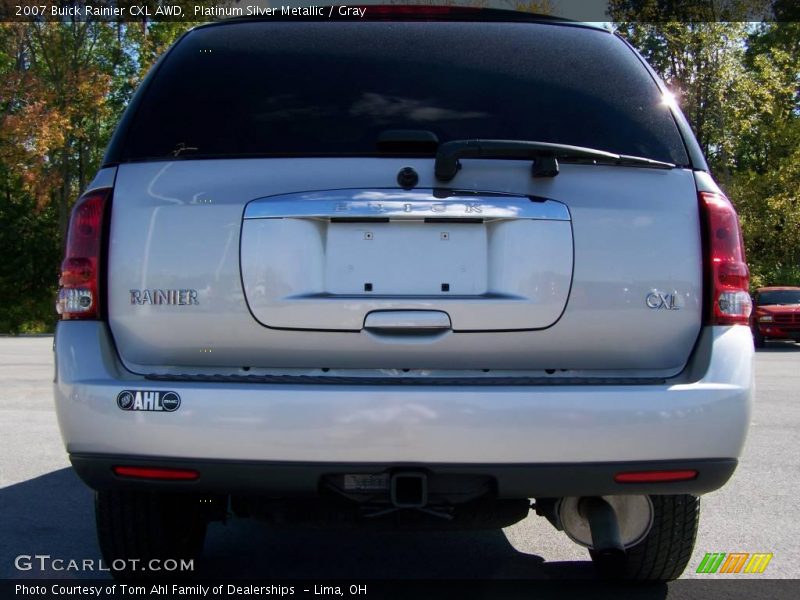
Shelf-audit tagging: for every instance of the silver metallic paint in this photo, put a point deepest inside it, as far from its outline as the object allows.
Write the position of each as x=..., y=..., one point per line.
x=177, y=225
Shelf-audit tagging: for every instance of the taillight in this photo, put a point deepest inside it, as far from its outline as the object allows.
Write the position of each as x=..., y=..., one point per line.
x=729, y=277
x=78, y=294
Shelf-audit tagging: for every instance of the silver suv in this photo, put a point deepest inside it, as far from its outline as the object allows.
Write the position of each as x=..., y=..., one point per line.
x=413, y=270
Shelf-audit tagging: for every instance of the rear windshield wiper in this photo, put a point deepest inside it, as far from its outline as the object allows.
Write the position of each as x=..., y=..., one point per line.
x=545, y=156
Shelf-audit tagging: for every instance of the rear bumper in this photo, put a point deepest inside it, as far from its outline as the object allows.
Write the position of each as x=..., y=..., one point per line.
x=303, y=479
x=532, y=430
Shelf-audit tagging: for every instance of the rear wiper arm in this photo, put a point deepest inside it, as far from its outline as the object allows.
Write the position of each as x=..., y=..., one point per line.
x=544, y=154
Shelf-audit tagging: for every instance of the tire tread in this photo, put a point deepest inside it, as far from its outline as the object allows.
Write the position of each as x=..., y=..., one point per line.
x=667, y=548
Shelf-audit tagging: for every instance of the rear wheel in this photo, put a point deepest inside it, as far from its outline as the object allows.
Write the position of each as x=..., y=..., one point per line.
x=145, y=527
x=664, y=553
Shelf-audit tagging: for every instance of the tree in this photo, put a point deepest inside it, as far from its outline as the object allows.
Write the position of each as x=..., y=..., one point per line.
x=63, y=87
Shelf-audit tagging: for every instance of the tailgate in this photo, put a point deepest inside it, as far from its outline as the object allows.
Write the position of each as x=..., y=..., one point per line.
x=229, y=264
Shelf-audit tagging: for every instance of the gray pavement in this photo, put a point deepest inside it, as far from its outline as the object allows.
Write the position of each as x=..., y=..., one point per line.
x=45, y=509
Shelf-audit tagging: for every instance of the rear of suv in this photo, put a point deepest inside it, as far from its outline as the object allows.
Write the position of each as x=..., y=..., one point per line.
x=410, y=271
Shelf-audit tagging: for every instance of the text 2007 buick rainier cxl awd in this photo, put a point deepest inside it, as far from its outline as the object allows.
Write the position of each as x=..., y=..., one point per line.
x=407, y=272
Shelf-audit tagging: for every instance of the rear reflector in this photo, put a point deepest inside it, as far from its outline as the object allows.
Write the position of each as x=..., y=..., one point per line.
x=728, y=275
x=157, y=473
x=655, y=476
x=78, y=294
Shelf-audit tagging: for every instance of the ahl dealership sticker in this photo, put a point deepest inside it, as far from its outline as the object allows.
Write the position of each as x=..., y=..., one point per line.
x=148, y=400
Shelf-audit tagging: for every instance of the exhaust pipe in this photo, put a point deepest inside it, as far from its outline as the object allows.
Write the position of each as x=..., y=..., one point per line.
x=603, y=526
x=607, y=525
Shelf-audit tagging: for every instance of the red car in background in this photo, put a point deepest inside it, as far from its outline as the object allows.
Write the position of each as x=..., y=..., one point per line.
x=776, y=314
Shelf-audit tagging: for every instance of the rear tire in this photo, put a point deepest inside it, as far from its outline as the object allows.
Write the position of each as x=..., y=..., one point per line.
x=758, y=339
x=147, y=526
x=664, y=553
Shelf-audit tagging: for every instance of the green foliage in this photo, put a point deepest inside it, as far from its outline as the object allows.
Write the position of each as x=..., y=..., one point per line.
x=769, y=208
x=63, y=87
x=31, y=254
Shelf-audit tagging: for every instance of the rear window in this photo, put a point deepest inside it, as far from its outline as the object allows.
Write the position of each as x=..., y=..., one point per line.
x=310, y=88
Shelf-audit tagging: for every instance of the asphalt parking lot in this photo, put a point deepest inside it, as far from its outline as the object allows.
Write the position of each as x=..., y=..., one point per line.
x=47, y=510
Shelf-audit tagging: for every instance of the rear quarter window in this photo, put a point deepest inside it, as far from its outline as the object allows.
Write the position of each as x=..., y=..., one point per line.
x=311, y=88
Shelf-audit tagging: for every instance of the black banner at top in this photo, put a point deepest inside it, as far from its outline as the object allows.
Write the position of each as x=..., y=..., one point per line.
x=194, y=11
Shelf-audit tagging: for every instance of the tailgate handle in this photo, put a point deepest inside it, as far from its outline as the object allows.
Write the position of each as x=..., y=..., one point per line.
x=407, y=321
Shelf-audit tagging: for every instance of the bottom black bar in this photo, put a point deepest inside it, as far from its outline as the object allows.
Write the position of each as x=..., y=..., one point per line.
x=689, y=589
